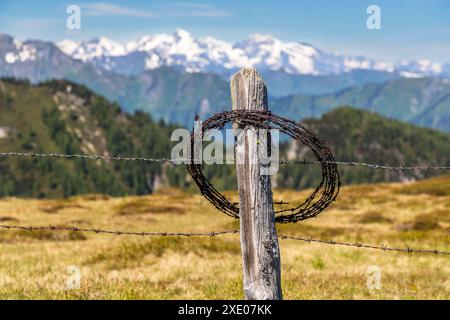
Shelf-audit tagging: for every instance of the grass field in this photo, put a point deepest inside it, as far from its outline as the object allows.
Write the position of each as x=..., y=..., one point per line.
x=35, y=265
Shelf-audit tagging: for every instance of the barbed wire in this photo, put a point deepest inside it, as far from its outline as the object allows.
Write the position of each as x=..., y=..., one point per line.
x=401, y=167
x=327, y=188
x=82, y=156
x=219, y=233
x=117, y=232
x=366, y=246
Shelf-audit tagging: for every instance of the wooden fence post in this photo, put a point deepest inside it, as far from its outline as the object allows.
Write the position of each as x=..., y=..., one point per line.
x=259, y=243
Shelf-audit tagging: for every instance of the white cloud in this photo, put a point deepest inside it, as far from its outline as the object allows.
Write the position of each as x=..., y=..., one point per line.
x=109, y=9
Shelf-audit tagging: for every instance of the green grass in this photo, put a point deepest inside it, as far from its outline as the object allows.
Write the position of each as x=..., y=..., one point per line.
x=34, y=264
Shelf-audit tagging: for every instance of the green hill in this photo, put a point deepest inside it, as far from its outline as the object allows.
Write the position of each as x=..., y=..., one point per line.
x=363, y=136
x=62, y=117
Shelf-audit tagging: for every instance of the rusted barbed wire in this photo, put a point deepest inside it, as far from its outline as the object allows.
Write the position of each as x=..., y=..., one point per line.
x=327, y=190
x=116, y=232
x=219, y=233
x=426, y=167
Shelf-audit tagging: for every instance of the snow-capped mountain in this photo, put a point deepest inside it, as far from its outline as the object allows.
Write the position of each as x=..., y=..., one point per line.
x=208, y=54
x=96, y=48
x=151, y=52
x=182, y=49
x=267, y=52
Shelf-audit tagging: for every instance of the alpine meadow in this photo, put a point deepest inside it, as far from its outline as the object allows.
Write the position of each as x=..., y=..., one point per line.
x=245, y=152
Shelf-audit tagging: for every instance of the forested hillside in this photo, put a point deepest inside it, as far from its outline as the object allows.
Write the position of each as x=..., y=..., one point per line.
x=364, y=136
x=62, y=117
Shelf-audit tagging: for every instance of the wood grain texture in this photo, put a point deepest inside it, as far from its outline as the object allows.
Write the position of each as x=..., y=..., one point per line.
x=259, y=243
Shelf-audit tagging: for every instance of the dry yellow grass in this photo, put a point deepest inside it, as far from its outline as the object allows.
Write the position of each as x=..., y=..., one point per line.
x=34, y=265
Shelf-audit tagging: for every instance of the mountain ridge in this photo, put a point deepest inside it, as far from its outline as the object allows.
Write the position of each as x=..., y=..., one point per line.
x=424, y=102
x=207, y=54
x=264, y=52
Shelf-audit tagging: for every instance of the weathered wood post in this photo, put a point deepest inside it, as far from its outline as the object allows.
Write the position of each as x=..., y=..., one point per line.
x=259, y=243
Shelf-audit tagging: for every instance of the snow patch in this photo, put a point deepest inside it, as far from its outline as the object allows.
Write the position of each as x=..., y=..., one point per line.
x=10, y=57
x=22, y=53
x=407, y=74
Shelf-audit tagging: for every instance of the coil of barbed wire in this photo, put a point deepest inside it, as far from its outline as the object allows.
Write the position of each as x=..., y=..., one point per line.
x=328, y=187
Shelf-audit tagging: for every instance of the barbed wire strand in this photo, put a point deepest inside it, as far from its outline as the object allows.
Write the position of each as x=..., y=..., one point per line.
x=401, y=167
x=366, y=246
x=82, y=156
x=116, y=232
x=219, y=233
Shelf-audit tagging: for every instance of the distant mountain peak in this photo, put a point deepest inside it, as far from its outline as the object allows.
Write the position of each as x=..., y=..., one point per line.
x=67, y=46
x=92, y=49
x=181, y=33
x=4, y=36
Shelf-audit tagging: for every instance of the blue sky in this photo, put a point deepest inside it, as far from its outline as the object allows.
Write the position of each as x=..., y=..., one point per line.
x=413, y=29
